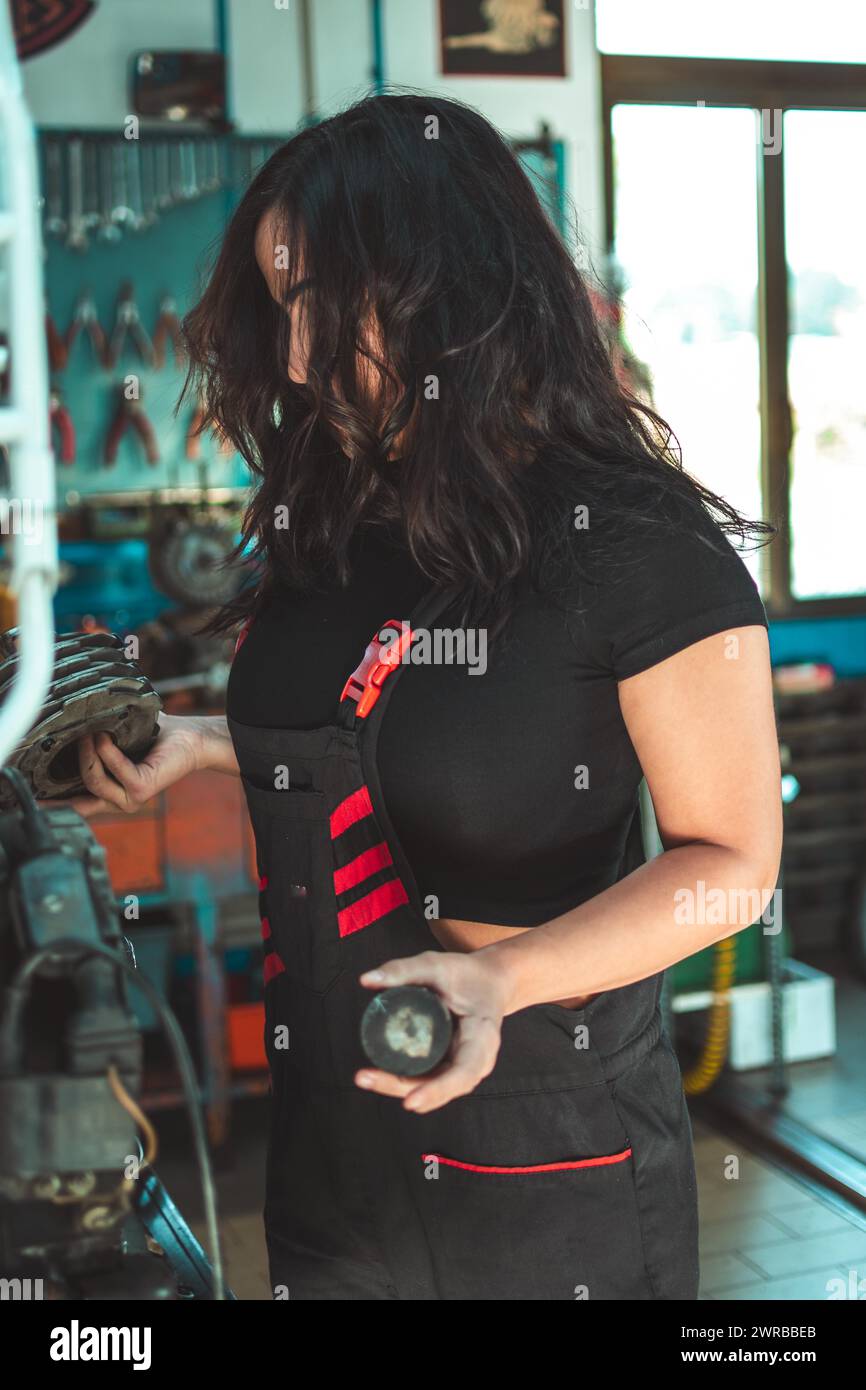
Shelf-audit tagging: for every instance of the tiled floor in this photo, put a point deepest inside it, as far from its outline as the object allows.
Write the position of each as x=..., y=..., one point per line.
x=829, y=1094
x=766, y=1237
x=763, y=1235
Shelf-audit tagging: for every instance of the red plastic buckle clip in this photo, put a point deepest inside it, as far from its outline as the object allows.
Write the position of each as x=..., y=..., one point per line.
x=365, y=683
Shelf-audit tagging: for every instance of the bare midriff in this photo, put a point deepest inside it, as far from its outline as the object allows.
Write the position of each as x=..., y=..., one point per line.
x=453, y=935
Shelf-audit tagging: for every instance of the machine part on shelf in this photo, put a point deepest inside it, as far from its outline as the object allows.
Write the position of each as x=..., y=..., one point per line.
x=61, y=422
x=406, y=1030
x=188, y=556
x=58, y=353
x=708, y=1067
x=76, y=235
x=177, y=655
x=86, y=317
x=128, y=324
x=168, y=328
x=130, y=414
x=94, y=687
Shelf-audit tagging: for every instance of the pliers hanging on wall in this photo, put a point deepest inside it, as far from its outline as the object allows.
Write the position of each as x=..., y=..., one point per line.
x=61, y=423
x=168, y=326
x=58, y=352
x=128, y=324
x=193, y=436
x=85, y=317
x=130, y=414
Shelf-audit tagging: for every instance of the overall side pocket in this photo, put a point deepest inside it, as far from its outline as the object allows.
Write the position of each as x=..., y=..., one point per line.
x=300, y=917
x=530, y=1197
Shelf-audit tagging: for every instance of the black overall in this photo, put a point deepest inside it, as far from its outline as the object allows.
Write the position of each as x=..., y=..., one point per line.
x=568, y=1172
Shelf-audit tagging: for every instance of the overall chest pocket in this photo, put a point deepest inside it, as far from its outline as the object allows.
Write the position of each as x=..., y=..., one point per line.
x=299, y=920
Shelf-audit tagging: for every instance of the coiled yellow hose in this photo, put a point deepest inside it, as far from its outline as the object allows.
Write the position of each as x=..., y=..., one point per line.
x=701, y=1076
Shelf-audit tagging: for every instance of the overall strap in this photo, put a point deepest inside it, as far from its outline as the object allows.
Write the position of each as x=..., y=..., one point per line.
x=383, y=655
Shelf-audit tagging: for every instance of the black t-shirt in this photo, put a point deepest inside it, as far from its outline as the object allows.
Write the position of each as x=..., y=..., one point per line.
x=513, y=792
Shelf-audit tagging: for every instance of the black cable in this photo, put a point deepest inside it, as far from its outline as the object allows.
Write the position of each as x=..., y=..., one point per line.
x=16, y=999
x=39, y=835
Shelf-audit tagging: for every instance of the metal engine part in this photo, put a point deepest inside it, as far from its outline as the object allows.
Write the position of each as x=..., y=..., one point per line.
x=187, y=560
x=95, y=687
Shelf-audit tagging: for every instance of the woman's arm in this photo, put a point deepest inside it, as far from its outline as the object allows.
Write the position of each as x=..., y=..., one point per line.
x=702, y=724
x=193, y=743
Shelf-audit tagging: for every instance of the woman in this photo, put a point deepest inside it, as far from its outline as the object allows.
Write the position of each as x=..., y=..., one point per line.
x=398, y=343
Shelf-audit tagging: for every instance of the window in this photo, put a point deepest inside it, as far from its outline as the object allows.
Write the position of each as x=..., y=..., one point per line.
x=735, y=212
x=776, y=30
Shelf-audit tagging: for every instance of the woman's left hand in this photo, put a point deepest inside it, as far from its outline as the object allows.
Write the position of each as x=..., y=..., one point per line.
x=472, y=988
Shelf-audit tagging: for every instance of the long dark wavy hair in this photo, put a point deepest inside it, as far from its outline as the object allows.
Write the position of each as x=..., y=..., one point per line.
x=426, y=259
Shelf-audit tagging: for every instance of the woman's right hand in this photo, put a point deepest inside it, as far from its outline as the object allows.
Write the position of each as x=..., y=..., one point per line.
x=115, y=782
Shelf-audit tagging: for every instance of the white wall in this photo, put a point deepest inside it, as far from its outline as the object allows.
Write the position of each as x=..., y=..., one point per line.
x=266, y=89
x=572, y=105
x=85, y=80
x=264, y=66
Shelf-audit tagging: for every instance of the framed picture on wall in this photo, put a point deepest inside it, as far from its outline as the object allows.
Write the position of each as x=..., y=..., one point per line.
x=502, y=38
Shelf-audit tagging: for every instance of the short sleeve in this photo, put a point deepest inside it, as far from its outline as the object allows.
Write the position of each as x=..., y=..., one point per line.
x=677, y=584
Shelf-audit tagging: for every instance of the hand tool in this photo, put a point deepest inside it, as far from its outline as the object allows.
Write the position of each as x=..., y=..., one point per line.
x=85, y=316
x=129, y=323
x=108, y=231
x=193, y=437
x=130, y=414
x=55, y=222
x=76, y=235
x=58, y=353
x=61, y=422
x=168, y=327
x=92, y=216
x=406, y=1030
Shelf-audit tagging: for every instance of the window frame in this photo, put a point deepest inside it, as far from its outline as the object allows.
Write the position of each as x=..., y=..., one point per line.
x=758, y=85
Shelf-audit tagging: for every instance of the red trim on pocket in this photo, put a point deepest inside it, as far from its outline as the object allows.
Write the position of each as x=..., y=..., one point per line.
x=355, y=807
x=534, y=1167
x=263, y=883
x=362, y=866
x=273, y=966
x=266, y=929
x=372, y=906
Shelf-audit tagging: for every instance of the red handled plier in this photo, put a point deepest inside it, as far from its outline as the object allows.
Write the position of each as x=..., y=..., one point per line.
x=61, y=422
x=168, y=327
x=130, y=415
x=194, y=432
x=58, y=353
x=128, y=323
x=85, y=317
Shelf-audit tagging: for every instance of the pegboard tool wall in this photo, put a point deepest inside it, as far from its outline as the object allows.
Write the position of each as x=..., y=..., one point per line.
x=168, y=258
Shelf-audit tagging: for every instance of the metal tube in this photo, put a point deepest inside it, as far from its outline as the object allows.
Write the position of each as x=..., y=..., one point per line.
x=24, y=424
